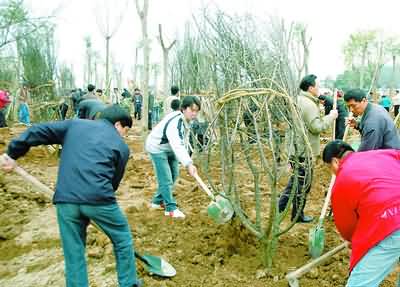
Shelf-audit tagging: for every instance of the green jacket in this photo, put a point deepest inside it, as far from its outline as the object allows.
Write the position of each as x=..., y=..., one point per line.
x=309, y=111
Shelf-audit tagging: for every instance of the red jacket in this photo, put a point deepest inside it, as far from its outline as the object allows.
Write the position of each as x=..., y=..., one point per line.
x=366, y=199
x=4, y=99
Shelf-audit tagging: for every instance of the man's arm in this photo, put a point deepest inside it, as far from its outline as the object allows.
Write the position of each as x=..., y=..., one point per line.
x=120, y=163
x=314, y=123
x=371, y=137
x=176, y=140
x=344, y=207
x=47, y=134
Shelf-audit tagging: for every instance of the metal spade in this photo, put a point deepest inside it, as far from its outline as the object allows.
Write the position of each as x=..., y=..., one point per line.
x=220, y=209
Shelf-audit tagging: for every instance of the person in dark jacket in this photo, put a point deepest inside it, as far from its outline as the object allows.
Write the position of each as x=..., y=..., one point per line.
x=92, y=164
x=376, y=126
x=76, y=97
x=137, y=100
x=340, y=126
x=89, y=109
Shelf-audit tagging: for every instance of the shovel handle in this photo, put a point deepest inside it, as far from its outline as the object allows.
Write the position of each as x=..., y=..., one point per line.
x=334, y=108
x=204, y=186
x=30, y=178
x=305, y=268
x=346, y=131
x=327, y=199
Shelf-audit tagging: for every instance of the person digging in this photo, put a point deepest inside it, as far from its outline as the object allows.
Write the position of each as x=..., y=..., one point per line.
x=366, y=209
x=167, y=145
x=92, y=164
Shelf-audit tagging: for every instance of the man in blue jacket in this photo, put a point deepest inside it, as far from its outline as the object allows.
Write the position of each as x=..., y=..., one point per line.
x=92, y=164
x=376, y=127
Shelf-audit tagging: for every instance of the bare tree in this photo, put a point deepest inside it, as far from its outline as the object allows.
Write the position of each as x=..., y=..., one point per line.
x=165, y=50
x=156, y=71
x=108, y=32
x=88, y=68
x=300, y=48
x=135, y=66
x=146, y=59
x=16, y=23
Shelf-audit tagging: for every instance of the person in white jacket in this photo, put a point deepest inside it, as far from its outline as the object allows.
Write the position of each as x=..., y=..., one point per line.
x=167, y=145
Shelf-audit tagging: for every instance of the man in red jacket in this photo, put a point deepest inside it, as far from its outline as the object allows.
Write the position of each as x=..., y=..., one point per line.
x=366, y=208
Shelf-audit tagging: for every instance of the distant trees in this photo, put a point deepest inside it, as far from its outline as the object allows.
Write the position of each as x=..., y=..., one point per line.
x=16, y=23
x=366, y=53
x=39, y=63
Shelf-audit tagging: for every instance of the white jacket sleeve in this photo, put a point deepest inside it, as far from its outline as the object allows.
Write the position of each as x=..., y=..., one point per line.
x=176, y=136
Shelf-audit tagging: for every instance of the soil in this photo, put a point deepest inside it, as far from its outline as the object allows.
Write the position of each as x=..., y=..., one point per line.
x=202, y=252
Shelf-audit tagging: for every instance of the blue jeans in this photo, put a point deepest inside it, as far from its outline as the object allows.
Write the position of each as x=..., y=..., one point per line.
x=23, y=114
x=156, y=114
x=377, y=263
x=167, y=171
x=73, y=220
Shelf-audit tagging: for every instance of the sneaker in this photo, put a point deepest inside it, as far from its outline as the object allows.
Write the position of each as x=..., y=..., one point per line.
x=139, y=283
x=176, y=213
x=157, y=206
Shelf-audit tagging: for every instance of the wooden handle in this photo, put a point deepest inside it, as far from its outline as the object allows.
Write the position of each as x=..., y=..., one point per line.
x=305, y=268
x=327, y=198
x=334, y=108
x=346, y=131
x=30, y=178
x=204, y=186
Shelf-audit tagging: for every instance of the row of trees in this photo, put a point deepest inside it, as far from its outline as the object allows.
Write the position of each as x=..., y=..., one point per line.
x=366, y=53
x=27, y=52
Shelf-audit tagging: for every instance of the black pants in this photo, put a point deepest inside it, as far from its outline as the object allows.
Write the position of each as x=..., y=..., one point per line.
x=3, y=122
x=63, y=109
x=138, y=111
x=150, y=122
x=298, y=201
x=396, y=110
x=340, y=128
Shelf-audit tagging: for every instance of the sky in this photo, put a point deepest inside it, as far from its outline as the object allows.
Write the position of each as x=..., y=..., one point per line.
x=330, y=22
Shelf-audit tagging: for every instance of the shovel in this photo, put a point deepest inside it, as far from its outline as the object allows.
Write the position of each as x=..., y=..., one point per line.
x=316, y=236
x=156, y=265
x=153, y=264
x=220, y=209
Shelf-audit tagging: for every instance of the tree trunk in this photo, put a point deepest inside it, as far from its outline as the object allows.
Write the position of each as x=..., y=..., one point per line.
x=146, y=61
x=155, y=79
x=306, y=50
x=165, y=73
x=393, y=86
x=135, y=67
x=165, y=60
x=362, y=69
x=107, y=84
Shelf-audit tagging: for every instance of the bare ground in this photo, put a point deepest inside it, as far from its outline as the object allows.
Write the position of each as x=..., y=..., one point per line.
x=203, y=253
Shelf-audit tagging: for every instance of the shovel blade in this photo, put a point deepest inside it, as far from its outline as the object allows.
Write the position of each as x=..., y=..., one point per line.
x=316, y=241
x=157, y=266
x=220, y=210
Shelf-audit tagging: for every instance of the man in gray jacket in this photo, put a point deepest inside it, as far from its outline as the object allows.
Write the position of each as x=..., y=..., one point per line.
x=376, y=127
x=308, y=105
